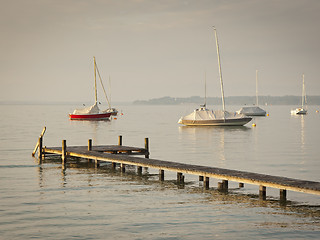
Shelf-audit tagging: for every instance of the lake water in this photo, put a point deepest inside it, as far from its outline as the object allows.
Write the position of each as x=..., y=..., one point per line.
x=83, y=202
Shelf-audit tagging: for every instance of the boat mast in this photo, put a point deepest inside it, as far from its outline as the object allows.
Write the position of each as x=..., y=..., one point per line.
x=95, y=81
x=220, y=72
x=257, y=98
x=303, y=91
x=205, y=89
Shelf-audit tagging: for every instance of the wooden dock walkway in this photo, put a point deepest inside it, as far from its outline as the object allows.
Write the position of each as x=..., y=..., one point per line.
x=123, y=156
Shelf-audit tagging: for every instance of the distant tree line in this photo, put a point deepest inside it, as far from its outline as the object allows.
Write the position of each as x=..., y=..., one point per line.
x=234, y=100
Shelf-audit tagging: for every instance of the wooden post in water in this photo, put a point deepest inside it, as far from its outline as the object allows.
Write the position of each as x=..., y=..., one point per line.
x=139, y=169
x=146, y=146
x=161, y=175
x=180, y=178
x=283, y=195
x=37, y=145
x=89, y=148
x=223, y=186
x=120, y=140
x=262, y=192
x=89, y=144
x=241, y=185
x=201, y=178
x=96, y=163
x=40, y=149
x=113, y=164
x=122, y=167
x=206, y=183
x=64, y=151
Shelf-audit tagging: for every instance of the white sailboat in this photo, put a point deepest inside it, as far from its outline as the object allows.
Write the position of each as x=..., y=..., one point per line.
x=206, y=117
x=254, y=110
x=302, y=109
x=93, y=112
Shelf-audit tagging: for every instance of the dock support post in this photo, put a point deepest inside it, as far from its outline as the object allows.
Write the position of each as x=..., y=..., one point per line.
x=120, y=141
x=139, y=169
x=206, y=183
x=64, y=151
x=122, y=168
x=241, y=185
x=223, y=186
x=161, y=175
x=89, y=144
x=89, y=148
x=146, y=146
x=262, y=192
x=96, y=163
x=201, y=178
x=40, y=149
x=283, y=195
x=180, y=178
x=113, y=165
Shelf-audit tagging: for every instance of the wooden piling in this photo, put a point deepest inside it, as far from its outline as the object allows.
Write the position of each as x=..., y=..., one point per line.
x=89, y=144
x=180, y=178
x=139, y=170
x=96, y=163
x=206, y=183
x=161, y=175
x=201, y=178
x=64, y=151
x=283, y=195
x=120, y=140
x=40, y=149
x=37, y=145
x=262, y=192
x=122, y=167
x=241, y=185
x=113, y=165
x=146, y=146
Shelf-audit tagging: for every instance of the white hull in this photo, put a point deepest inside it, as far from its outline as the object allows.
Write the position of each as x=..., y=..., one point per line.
x=252, y=111
x=221, y=122
x=299, y=111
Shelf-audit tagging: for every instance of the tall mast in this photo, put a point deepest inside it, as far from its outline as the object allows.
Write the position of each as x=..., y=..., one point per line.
x=220, y=72
x=205, y=89
x=303, y=91
x=95, y=81
x=257, y=98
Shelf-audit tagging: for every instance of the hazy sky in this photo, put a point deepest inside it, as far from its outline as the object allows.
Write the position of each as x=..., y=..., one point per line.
x=157, y=48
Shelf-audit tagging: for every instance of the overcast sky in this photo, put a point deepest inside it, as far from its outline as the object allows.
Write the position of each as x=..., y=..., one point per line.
x=157, y=48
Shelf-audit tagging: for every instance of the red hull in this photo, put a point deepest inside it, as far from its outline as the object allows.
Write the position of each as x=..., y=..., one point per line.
x=99, y=116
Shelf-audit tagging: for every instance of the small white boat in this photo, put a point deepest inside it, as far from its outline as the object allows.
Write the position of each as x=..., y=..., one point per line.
x=303, y=109
x=254, y=110
x=206, y=117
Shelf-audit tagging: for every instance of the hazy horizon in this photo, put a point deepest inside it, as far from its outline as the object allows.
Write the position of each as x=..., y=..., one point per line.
x=152, y=49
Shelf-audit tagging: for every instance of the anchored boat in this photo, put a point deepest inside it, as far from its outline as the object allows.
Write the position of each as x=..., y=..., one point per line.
x=205, y=117
x=254, y=110
x=93, y=112
x=302, y=110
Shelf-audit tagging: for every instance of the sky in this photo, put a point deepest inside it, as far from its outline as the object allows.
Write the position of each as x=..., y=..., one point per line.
x=156, y=48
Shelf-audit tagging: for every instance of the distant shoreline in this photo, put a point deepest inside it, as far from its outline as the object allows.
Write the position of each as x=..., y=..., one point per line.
x=232, y=100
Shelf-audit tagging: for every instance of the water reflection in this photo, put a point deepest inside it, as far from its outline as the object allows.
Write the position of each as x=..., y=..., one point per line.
x=212, y=139
x=92, y=127
x=84, y=177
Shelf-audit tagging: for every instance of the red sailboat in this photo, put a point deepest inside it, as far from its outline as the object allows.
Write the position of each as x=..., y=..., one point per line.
x=93, y=112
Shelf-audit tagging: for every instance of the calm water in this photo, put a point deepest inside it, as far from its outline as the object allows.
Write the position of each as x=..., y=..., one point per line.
x=81, y=202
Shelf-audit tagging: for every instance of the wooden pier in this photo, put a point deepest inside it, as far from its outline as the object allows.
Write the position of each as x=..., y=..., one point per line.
x=125, y=155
